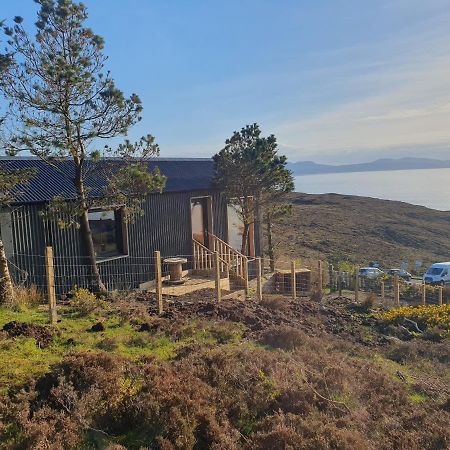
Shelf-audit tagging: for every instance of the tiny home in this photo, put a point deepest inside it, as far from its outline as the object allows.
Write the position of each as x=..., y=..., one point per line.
x=190, y=218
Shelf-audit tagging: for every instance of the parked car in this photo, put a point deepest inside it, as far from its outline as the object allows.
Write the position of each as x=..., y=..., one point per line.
x=371, y=273
x=402, y=273
x=438, y=273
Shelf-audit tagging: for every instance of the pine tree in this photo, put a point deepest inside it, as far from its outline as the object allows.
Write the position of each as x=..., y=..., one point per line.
x=63, y=103
x=252, y=175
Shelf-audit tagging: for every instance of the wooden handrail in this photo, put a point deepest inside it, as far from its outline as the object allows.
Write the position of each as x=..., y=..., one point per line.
x=204, y=258
x=230, y=260
x=237, y=262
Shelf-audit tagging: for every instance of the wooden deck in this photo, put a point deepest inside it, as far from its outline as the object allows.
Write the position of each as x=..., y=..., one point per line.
x=193, y=283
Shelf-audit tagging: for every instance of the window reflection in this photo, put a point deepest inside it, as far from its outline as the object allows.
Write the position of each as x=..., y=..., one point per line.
x=198, y=218
x=106, y=232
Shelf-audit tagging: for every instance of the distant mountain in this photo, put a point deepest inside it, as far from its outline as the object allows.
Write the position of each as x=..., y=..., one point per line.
x=312, y=168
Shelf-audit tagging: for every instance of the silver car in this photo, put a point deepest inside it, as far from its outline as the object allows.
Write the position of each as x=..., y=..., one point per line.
x=372, y=273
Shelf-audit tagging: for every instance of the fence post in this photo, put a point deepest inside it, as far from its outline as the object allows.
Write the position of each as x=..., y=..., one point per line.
x=382, y=292
x=217, y=277
x=245, y=269
x=259, y=279
x=424, y=294
x=397, y=289
x=340, y=283
x=357, y=285
x=319, y=267
x=158, y=279
x=293, y=281
x=51, y=292
x=441, y=295
x=331, y=278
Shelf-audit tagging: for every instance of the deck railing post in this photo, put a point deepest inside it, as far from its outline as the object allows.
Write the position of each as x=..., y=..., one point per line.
x=217, y=276
x=51, y=291
x=158, y=280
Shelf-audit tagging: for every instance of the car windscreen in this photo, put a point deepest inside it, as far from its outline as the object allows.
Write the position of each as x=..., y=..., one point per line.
x=435, y=271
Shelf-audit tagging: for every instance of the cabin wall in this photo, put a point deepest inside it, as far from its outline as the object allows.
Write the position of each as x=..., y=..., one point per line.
x=165, y=226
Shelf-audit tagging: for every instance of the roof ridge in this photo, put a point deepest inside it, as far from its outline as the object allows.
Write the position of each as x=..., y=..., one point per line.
x=107, y=158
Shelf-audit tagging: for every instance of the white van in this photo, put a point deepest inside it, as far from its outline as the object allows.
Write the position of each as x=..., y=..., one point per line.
x=438, y=273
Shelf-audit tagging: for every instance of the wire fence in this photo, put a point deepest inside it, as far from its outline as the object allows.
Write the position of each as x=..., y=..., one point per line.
x=252, y=277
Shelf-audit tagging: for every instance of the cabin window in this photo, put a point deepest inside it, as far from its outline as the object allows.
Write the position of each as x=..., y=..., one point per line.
x=109, y=232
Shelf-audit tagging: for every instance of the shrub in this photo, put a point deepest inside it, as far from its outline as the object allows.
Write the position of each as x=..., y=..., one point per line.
x=427, y=317
x=369, y=301
x=223, y=397
x=225, y=332
x=287, y=338
x=83, y=301
x=274, y=303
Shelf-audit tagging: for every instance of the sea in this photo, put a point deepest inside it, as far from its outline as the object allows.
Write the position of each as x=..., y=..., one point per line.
x=427, y=187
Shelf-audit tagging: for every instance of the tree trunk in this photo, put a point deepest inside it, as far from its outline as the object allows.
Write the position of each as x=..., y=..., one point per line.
x=270, y=249
x=6, y=286
x=86, y=235
x=245, y=234
x=88, y=245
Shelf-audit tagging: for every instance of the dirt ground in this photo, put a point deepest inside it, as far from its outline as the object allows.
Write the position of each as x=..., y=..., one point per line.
x=333, y=315
x=42, y=335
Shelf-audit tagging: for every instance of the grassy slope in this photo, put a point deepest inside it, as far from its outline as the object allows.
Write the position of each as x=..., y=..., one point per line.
x=361, y=229
x=22, y=358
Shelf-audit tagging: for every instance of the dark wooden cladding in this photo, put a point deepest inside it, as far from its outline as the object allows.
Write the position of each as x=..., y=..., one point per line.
x=165, y=226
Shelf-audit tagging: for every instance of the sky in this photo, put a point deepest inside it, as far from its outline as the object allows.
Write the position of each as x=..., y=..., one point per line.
x=336, y=81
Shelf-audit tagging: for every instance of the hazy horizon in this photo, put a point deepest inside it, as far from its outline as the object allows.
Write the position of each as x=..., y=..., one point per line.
x=336, y=82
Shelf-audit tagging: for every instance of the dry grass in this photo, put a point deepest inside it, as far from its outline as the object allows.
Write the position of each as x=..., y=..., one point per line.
x=358, y=230
x=26, y=297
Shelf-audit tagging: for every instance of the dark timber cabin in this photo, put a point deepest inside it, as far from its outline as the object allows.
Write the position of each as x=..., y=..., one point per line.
x=191, y=218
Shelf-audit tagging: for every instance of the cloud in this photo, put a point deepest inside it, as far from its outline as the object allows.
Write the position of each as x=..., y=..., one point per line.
x=402, y=101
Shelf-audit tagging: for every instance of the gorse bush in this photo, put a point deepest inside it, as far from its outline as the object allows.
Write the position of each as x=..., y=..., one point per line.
x=426, y=316
x=84, y=301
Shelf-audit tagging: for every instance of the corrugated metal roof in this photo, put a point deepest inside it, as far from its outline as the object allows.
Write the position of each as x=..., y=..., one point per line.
x=49, y=182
